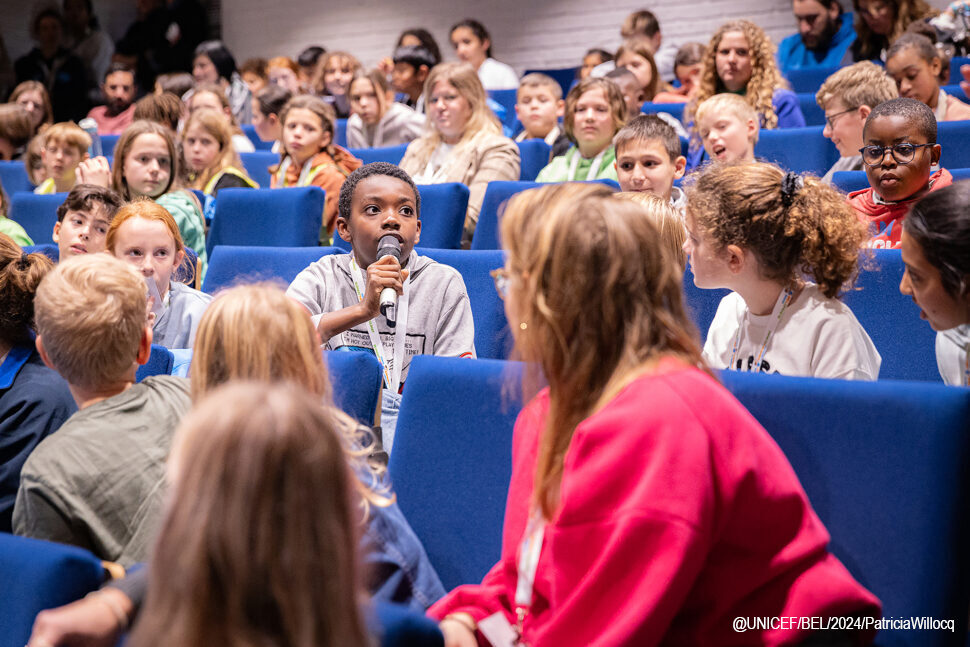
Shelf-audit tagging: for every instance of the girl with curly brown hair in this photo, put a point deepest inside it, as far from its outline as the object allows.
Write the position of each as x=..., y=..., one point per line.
x=756, y=230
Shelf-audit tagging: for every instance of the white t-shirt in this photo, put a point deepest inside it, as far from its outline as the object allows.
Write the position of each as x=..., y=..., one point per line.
x=815, y=337
x=951, y=354
x=497, y=76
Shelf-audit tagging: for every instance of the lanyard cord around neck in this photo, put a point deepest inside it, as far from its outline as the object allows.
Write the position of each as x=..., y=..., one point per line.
x=784, y=300
x=594, y=166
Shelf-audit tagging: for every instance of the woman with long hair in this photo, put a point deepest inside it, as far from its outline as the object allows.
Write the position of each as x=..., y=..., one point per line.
x=878, y=23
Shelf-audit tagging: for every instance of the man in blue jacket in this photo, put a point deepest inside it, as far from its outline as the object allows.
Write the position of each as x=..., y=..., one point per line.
x=824, y=36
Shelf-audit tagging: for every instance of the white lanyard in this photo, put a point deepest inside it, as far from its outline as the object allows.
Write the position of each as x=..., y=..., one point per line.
x=528, y=564
x=594, y=167
x=784, y=300
x=392, y=373
x=304, y=172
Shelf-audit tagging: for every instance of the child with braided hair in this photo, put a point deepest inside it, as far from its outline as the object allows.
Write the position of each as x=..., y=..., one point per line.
x=756, y=230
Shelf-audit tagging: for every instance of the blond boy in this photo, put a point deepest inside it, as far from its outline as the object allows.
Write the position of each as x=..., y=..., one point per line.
x=539, y=106
x=648, y=159
x=97, y=483
x=728, y=126
x=65, y=146
x=847, y=97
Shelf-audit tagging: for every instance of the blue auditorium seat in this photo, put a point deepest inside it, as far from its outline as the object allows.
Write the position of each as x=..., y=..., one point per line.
x=492, y=338
x=13, y=177
x=267, y=217
x=37, y=214
x=160, y=362
x=803, y=150
x=395, y=625
x=953, y=137
x=37, y=575
x=340, y=136
x=955, y=63
x=701, y=303
x=534, y=156
x=506, y=99
x=356, y=378
x=257, y=166
x=250, y=131
x=452, y=460
x=389, y=154
x=564, y=76
x=233, y=264
x=50, y=250
x=674, y=109
x=809, y=79
x=850, y=181
x=108, y=143
x=814, y=115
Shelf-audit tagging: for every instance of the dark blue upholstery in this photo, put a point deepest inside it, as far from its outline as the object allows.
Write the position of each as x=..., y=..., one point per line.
x=233, y=264
x=452, y=460
x=955, y=63
x=37, y=214
x=340, y=136
x=37, y=575
x=267, y=217
x=356, y=379
x=886, y=467
x=443, y=209
x=506, y=99
x=674, y=109
x=250, y=131
x=953, y=137
x=257, y=166
x=905, y=342
x=50, y=250
x=809, y=79
x=534, y=156
x=564, y=76
x=701, y=304
x=814, y=115
x=492, y=339
x=395, y=625
x=389, y=154
x=955, y=91
x=160, y=362
x=850, y=181
x=108, y=143
x=13, y=177
x=797, y=149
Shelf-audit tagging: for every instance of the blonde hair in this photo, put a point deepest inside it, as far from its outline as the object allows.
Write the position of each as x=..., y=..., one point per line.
x=817, y=233
x=860, y=84
x=732, y=104
x=641, y=46
x=276, y=560
x=91, y=315
x=127, y=140
x=765, y=75
x=317, y=83
x=670, y=224
x=590, y=331
x=215, y=124
x=45, y=97
x=68, y=133
x=464, y=79
x=378, y=81
x=613, y=97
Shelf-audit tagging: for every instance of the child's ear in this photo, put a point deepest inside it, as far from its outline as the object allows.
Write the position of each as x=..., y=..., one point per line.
x=56, y=236
x=343, y=230
x=560, y=108
x=422, y=73
x=39, y=343
x=417, y=232
x=735, y=258
x=327, y=139
x=935, y=151
x=144, y=346
x=864, y=112
x=518, y=113
x=680, y=167
x=752, y=128
x=935, y=66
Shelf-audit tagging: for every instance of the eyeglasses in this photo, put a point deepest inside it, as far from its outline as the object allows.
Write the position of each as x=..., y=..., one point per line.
x=903, y=153
x=501, y=278
x=830, y=119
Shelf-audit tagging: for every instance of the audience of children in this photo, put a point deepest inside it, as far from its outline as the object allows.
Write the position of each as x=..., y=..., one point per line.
x=648, y=160
x=118, y=111
x=342, y=291
x=539, y=106
x=464, y=142
x=473, y=45
x=65, y=146
x=376, y=119
x=595, y=112
x=916, y=66
x=97, y=482
x=34, y=400
x=934, y=246
x=210, y=96
x=899, y=153
x=728, y=128
x=15, y=131
x=310, y=157
x=83, y=220
x=847, y=97
x=267, y=105
x=332, y=80
x=756, y=230
x=632, y=449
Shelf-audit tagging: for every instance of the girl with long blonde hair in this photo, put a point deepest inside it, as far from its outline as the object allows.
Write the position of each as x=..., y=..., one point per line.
x=629, y=496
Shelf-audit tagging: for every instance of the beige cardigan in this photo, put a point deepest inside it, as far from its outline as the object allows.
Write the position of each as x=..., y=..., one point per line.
x=482, y=159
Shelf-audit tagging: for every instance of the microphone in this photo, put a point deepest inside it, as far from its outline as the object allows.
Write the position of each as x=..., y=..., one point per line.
x=389, y=246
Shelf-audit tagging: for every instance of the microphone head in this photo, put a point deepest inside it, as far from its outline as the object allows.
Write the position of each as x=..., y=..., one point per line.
x=389, y=246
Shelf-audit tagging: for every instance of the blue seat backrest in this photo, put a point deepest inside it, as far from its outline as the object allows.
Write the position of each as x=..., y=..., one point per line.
x=443, y=209
x=250, y=131
x=534, y=156
x=507, y=99
x=956, y=91
x=452, y=460
x=267, y=217
x=231, y=265
x=395, y=625
x=849, y=181
x=37, y=575
x=674, y=109
x=905, y=342
x=257, y=166
x=809, y=79
x=564, y=76
x=50, y=250
x=701, y=303
x=389, y=154
x=797, y=149
x=108, y=143
x=37, y=214
x=955, y=63
x=886, y=466
x=340, y=136
x=160, y=362
x=356, y=379
x=814, y=115
x=13, y=177
x=492, y=338
x=953, y=137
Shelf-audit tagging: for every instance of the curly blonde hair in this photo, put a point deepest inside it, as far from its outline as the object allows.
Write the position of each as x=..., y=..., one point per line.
x=765, y=75
x=868, y=44
x=816, y=234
